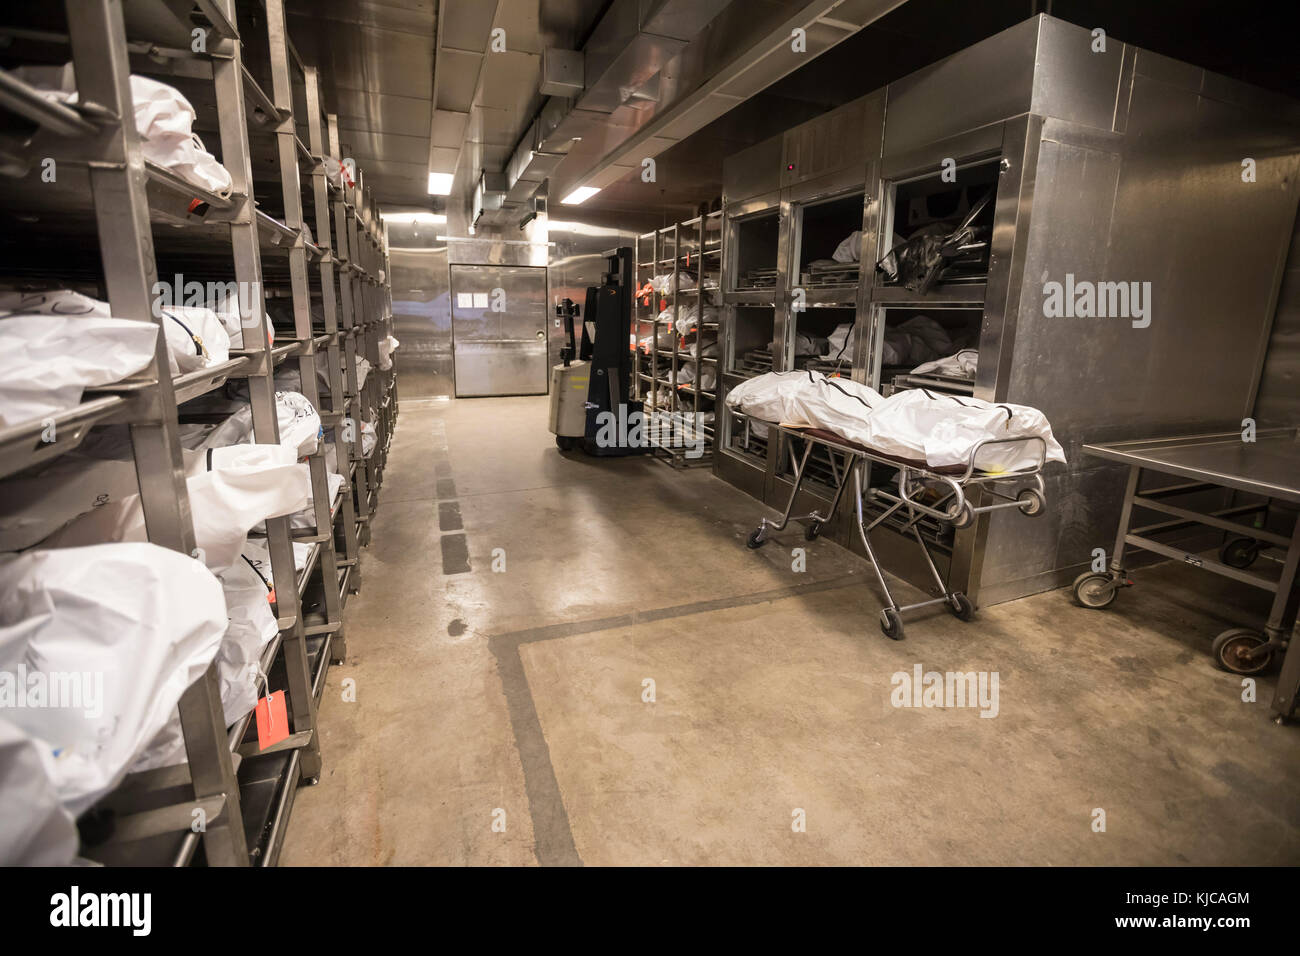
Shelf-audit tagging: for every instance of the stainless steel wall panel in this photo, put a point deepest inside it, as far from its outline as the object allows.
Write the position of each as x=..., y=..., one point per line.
x=973, y=144
x=749, y=478
x=421, y=307
x=829, y=186
x=1208, y=243
x=496, y=252
x=1003, y=302
x=782, y=323
x=1163, y=204
x=833, y=143
x=1072, y=82
x=1278, y=401
x=1021, y=164
x=981, y=85
x=752, y=171
x=500, y=367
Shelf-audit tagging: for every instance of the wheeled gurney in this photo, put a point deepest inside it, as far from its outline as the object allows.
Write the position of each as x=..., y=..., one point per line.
x=953, y=506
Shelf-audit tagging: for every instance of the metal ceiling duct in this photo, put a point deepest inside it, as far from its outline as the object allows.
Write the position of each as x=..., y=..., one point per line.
x=715, y=55
x=632, y=43
x=762, y=61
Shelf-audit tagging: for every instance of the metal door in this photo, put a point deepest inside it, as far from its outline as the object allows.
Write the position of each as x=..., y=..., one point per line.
x=498, y=330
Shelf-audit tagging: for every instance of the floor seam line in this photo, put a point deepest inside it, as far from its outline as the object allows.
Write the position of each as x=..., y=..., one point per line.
x=633, y=618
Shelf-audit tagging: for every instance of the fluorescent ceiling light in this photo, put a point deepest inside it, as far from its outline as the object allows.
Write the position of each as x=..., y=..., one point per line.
x=419, y=218
x=440, y=184
x=581, y=194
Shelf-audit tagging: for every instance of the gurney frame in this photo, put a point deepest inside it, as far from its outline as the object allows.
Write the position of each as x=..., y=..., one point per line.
x=954, y=507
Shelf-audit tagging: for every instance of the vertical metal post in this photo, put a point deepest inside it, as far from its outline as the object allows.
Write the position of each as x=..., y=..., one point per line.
x=1125, y=519
x=286, y=138
x=346, y=253
x=118, y=178
x=118, y=182
x=227, y=69
x=675, y=401
x=699, y=325
x=333, y=351
x=655, y=253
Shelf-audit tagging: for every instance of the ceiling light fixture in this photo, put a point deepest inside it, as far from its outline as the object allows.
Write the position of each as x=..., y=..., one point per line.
x=418, y=218
x=440, y=184
x=579, y=195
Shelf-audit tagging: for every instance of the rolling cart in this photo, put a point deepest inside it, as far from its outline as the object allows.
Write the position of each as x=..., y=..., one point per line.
x=946, y=488
x=1267, y=469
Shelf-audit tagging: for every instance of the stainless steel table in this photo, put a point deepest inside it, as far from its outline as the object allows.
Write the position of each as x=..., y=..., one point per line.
x=1267, y=469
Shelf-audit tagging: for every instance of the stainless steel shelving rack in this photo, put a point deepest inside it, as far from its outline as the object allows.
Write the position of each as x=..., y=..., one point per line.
x=671, y=250
x=113, y=206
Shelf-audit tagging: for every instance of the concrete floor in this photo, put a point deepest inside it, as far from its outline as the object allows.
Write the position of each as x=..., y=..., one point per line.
x=499, y=716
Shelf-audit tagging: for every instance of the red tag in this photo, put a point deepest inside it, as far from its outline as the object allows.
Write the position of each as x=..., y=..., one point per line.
x=272, y=720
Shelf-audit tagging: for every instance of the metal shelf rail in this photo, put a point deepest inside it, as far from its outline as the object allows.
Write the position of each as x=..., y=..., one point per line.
x=246, y=793
x=337, y=421
x=696, y=245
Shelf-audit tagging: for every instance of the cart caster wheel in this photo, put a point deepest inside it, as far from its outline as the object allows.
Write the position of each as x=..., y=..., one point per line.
x=755, y=539
x=891, y=624
x=1095, y=590
x=966, y=517
x=1230, y=647
x=962, y=607
x=1239, y=552
x=813, y=531
x=564, y=442
x=1031, y=502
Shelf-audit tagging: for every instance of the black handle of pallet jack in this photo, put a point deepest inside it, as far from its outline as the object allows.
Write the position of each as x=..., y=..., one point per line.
x=568, y=309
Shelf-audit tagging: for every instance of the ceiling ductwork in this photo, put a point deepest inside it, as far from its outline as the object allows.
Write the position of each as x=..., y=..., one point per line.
x=745, y=70
x=632, y=43
x=653, y=73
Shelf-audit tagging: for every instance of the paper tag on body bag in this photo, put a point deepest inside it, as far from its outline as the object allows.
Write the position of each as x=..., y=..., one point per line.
x=272, y=720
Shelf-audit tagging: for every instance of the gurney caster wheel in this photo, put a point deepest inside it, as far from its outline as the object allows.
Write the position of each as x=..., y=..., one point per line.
x=1230, y=649
x=965, y=518
x=813, y=531
x=962, y=607
x=1031, y=502
x=1239, y=552
x=756, y=539
x=1095, y=590
x=891, y=623
x=565, y=442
